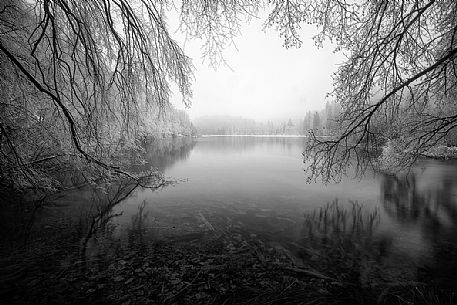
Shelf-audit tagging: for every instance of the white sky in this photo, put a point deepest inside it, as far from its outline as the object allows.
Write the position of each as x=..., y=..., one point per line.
x=268, y=81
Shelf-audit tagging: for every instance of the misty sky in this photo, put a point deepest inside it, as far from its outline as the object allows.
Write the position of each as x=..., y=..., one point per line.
x=267, y=81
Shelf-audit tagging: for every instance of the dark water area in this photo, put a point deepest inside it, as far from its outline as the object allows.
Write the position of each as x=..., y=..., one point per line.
x=245, y=191
x=257, y=185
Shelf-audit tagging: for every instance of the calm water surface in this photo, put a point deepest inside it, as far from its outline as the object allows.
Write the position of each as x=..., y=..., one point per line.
x=258, y=185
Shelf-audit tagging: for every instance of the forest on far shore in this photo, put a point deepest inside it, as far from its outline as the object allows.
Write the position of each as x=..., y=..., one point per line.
x=320, y=122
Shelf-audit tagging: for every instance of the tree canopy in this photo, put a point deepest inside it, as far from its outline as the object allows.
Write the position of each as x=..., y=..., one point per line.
x=398, y=83
x=90, y=69
x=80, y=75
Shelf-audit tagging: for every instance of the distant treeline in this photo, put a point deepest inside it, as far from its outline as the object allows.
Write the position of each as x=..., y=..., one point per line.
x=320, y=122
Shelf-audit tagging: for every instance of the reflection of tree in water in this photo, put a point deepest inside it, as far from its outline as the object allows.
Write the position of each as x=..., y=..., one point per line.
x=432, y=207
x=401, y=198
x=163, y=153
x=101, y=212
x=137, y=231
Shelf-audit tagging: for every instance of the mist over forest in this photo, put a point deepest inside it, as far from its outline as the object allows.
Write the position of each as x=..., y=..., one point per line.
x=319, y=122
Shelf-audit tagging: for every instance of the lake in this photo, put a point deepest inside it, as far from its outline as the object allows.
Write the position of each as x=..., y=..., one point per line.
x=239, y=220
x=257, y=185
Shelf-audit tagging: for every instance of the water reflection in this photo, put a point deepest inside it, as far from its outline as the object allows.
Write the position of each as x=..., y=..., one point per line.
x=343, y=242
x=164, y=153
x=221, y=144
x=426, y=200
x=255, y=188
x=95, y=218
x=422, y=204
x=136, y=234
x=402, y=200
